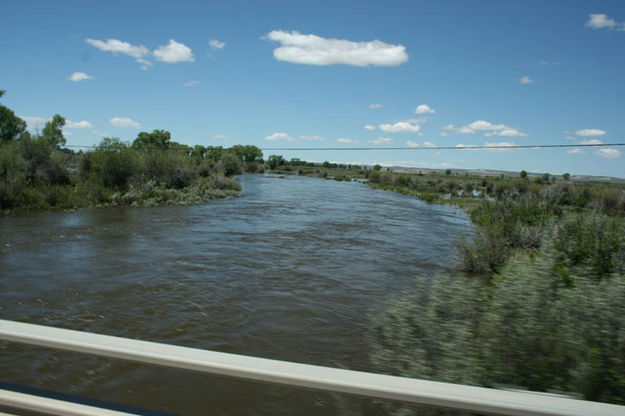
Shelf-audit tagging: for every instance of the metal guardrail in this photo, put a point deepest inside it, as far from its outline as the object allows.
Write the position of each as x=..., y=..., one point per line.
x=377, y=386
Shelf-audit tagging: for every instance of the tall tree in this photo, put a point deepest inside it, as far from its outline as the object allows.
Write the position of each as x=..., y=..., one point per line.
x=52, y=132
x=158, y=139
x=11, y=126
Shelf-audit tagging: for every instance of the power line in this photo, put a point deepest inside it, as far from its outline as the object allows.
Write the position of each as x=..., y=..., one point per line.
x=457, y=147
x=536, y=146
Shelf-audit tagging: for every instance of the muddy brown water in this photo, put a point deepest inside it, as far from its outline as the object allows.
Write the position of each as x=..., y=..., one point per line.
x=292, y=270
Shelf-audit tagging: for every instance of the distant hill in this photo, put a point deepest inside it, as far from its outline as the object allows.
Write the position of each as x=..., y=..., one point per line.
x=489, y=172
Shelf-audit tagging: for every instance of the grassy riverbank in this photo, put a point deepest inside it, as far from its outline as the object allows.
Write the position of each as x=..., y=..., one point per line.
x=537, y=298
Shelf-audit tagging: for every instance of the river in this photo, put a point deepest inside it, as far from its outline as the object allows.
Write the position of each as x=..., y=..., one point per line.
x=292, y=270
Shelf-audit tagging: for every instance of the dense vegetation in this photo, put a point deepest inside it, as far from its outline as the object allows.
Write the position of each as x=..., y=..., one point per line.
x=36, y=172
x=537, y=297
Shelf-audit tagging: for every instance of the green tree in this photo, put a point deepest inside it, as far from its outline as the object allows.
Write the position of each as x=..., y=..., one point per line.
x=158, y=139
x=274, y=161
x=52, y=132
x=247, y=154
x=11, y=126
x=377, y=167
x=523, y=174
x=566, y=176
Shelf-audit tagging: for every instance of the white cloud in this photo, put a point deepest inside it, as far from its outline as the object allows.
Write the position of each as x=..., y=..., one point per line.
x=429, y=144
x=314, y=50
x=312, y=138
x=79, y=76
x=215, y=44
x=491, y=129
x=400, y=127
x=100, y=133
x=411, y=143
x=503, y=145
x=78, y=124
x=173, y=52
x=375, y=106
x=346, y=140
x=511, y=133
x=124, y=122
x=602, y=21
x=424, y=109
x=369, y=127
x=67, y=133
x=526, y=80
x=382, y=140
x=115, y=46
x=220, y=136
x=590, y=132
x=192, y=83
x=35, y=123
x=609, y=153
x=574, y=151
x=443, y=134
x=282, y=137
x=591, y=141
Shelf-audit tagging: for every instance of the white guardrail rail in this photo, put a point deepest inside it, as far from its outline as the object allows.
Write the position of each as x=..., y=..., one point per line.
x=377, y=386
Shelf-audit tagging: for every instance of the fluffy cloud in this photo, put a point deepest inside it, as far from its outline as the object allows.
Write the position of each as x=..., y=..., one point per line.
x=549, y=63
x=424, y=109
x=191, y=83
x=79, y=76
x=412, y=144
x=574, y=151
x=173, y=52
x=312, y=138
x=369, y=127
x=375, y=106
x=124, y=122
x=314, y=50
x=346, y=140
x=511, y=133
x=78, y=124
x=382, y=140
x=139, y=53
x=503, y=146
x=400, y=127
x=608, y=153
x=590, y=132
x=495, y=146
x=220, y=136
x=215, y=44
x=526, y=80
x=429, y=144
x=33, y=122
x=279, y=137
x=491, y=129
x=591, y=141
x=602, y=21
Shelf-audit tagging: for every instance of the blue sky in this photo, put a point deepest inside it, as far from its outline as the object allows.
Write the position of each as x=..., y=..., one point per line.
x=306, y=74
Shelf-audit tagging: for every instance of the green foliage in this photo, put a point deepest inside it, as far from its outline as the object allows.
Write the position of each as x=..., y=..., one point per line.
x=377, y=167
x=274, y=161
x=11, y=126
x=231, y=164
x=528, y=330
x=523, y=174
x=111, y=165
x=52, y=131
x=158, y=139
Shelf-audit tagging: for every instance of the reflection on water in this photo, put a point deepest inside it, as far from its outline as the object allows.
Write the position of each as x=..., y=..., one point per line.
x=290, y=271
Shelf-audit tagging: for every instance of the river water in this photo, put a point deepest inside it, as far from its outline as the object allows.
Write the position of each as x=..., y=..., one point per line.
x=292, y=270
